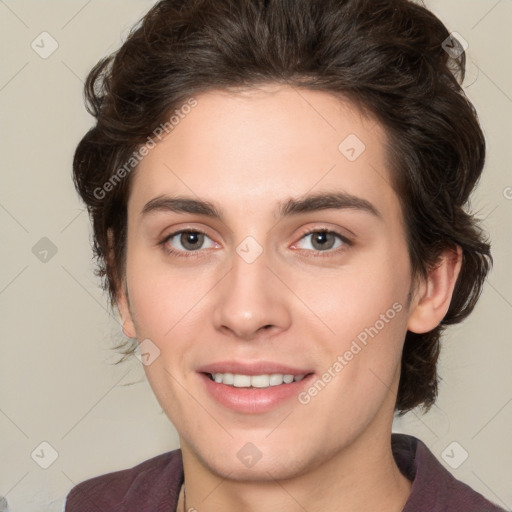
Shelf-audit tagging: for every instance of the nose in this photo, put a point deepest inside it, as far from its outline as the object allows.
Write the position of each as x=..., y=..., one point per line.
x=252, y=301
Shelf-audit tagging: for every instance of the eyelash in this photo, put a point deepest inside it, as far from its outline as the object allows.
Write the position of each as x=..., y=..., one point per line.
x=197, y=253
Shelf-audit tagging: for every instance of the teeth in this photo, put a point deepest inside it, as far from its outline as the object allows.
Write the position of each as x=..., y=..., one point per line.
x=256, y=381
x=241, y=381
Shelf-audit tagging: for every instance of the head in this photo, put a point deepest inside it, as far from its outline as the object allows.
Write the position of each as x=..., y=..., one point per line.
x=245, y=105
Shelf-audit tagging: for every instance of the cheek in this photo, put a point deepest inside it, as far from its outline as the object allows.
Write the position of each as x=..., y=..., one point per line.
x=367, y=294
x=365, y=310
x=163, y=299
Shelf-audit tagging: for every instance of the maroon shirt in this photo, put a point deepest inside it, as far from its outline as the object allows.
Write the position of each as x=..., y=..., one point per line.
x=154, y=485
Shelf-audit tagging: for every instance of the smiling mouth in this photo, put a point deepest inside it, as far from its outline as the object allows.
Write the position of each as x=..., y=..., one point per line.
x=238, y=380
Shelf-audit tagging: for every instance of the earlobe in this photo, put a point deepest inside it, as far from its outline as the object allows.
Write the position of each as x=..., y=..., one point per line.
x=122, y=299
x=434, y=293
x=123, y=307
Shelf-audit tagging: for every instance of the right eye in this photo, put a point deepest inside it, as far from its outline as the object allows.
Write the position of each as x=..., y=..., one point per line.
x=191, y=239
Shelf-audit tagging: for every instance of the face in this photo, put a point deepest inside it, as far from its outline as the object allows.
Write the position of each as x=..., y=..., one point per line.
x=272, y=284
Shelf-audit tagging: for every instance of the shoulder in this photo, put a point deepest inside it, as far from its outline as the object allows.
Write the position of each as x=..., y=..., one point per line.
x=150, y=485
x=434, y=488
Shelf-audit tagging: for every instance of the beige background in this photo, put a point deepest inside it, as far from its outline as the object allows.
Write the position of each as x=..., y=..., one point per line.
x=57, y=378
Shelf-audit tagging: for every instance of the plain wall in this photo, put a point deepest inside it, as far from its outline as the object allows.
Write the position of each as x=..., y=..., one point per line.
x=57, y=378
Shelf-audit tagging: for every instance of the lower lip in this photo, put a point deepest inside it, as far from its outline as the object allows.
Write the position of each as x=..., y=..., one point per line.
x=253, y=400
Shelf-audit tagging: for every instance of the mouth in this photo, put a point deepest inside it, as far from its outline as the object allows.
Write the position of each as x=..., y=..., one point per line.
x=255, y=387
x=239, y=380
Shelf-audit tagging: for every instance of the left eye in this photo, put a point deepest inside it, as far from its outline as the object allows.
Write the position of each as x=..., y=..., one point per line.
x=324, y=240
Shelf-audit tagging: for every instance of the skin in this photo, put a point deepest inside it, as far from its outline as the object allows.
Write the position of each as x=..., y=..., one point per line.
x=247, y=152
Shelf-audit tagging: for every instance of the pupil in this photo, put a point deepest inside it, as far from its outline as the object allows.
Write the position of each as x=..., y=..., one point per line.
x=322, y=239
x=191, y=239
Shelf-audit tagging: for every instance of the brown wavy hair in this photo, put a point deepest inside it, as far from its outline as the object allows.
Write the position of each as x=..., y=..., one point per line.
x=386, y=56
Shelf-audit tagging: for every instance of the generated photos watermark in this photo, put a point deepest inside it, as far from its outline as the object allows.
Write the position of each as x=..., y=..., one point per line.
x=136, y=157
x=355, y=348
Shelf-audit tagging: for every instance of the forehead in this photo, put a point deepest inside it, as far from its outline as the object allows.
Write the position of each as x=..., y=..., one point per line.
x=248, y=150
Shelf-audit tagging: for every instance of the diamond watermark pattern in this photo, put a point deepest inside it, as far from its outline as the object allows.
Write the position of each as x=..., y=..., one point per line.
x=249, y=455
x=44, y=45
x=455, y=45
x=249, y=249
x=44, y=250
x=352, y=147
x=147, y=352
x=44, y=455
x=454, y=455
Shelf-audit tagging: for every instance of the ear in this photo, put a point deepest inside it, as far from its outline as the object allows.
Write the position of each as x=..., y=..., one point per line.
x=123, y=305
x=434, y=293
x=122, y=299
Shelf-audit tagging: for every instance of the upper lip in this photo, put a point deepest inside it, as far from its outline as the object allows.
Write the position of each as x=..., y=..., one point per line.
x=252, y=368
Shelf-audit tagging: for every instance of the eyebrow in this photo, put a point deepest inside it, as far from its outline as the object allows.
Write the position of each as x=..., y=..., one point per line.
x=292, y=206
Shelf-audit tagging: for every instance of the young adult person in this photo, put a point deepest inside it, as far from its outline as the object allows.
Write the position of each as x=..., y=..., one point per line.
x=278, y=191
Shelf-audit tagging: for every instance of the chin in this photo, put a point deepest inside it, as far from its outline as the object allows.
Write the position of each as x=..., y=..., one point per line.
x=263, y=470
x=239, y=459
